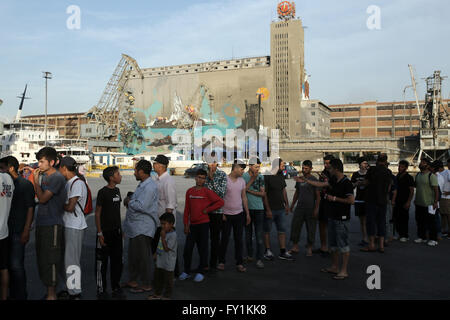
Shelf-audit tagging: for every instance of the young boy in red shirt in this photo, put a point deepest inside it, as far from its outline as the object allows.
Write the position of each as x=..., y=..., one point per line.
x=199, y=202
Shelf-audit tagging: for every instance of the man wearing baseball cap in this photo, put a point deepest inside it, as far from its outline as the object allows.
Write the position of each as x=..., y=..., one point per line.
x=167, y=202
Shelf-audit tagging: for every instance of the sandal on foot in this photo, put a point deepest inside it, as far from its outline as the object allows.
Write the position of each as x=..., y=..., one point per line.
x=128, y=285
x=220, y=267
x=367, y=249
x=336, y=277
x=293, y=251
x=140, y=290
x=326, y=270
x=241, y=268
x=153, y=297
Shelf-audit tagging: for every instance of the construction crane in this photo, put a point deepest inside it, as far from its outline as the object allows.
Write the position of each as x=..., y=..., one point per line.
x=434, y=120
x=413, y=81
x=115, y=101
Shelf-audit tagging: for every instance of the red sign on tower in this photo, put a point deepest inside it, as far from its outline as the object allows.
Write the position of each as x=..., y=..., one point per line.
x=286, y=10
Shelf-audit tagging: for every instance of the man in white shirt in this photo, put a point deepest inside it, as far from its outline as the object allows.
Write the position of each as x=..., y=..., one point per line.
x=444, y=203
x=6, y=195
x=74, y=227
x=167, y=195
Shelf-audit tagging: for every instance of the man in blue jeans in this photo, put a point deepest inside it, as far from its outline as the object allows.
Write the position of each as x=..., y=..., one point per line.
x=255, y=195
x=19, y=224
x=277, y=207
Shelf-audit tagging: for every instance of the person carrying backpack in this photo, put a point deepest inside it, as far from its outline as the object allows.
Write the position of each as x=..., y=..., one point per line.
x=74, y=227
x=427, y=197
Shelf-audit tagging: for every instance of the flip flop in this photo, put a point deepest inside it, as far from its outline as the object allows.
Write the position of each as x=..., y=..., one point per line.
x=241, y=268
x=326, y=270
x=140, y=290
x=127, y=285
x=367, y=249
x=153, y=297
x=337, y=277
x=220, y=267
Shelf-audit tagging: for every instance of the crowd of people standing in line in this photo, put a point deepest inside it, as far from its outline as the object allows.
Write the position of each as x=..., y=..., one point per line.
x=248, y=203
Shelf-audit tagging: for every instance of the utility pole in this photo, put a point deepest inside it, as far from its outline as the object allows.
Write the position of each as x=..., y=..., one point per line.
x=46, y=75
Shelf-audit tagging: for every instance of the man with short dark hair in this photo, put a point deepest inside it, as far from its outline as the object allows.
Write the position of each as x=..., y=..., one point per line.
x=6, y=197
x=360, y=206
x=307, y=210
x=427, y=199
x=50, y=190
x=445, y=200
x=236, y=216
x=324, y=209
x=277, y=207
x=19, y=224
x=109, y=244
x=378, y=181
x=340, y=198
x=140, y=226
x=217, y=182
x=405, y=194
x=255, y=196
x=199, y=202
x=437, y=167
x=74, y=223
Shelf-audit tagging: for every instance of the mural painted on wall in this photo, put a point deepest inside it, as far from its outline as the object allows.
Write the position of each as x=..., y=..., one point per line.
x=149, y=132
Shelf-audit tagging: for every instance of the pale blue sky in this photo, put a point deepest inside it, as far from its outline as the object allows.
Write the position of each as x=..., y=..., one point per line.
x=347, y=61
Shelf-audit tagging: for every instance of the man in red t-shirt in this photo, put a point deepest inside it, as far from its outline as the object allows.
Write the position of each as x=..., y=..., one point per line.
x=199, y=202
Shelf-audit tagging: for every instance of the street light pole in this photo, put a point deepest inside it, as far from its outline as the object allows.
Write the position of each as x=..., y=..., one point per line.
x=46, y=75
x=259, y=121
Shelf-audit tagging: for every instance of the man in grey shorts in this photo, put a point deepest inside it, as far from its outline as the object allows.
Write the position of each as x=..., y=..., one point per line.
x=51, y=194
x=340, y=199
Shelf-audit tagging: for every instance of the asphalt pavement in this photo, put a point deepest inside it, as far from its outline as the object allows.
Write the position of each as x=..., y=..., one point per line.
x=408, y=270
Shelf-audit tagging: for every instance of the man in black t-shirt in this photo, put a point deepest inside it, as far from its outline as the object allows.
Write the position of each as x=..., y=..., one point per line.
x=340, y=199
x=378, y=181
x=19, y=223
x=109, y=234
x=324, y=209
x=402, y=203
x=360, y=207
x=277, y=208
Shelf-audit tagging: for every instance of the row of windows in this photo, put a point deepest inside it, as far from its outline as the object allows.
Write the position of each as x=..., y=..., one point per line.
x=282, y=25
x=397, y=118
x=208, y=64
x=380, y=108
x=205, y=69
x=281, y=36
x=341, y=130
x=346, y=120
x=398, y=107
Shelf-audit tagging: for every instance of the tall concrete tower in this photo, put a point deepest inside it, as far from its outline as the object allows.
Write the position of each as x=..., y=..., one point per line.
x=287, y=61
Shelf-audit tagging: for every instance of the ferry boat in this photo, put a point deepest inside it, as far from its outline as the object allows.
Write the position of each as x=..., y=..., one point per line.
x=23, y=140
